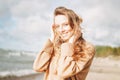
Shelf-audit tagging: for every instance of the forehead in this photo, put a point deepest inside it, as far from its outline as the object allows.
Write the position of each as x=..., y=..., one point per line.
x=60, y=19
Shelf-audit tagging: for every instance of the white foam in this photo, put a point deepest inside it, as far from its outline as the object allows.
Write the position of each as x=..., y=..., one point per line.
x=14, y=54
x=21, y=54
x=29, y=53
x=17, y=73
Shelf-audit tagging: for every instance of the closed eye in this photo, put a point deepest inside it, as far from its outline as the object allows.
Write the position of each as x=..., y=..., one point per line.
x=66, y=24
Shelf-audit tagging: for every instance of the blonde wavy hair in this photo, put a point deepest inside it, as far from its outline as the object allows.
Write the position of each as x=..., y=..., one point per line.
x=74, y=21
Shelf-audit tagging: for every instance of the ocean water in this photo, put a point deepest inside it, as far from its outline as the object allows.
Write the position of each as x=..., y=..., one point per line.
x=16, y=63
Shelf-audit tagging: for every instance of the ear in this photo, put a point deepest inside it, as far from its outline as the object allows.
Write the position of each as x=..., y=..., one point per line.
x=53, y=28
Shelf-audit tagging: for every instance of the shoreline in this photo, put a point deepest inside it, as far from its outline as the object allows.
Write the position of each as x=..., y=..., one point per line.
x=35, y=76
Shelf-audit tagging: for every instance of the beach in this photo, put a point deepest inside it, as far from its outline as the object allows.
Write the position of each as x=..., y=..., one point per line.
x=101, y=69
x=104, y=69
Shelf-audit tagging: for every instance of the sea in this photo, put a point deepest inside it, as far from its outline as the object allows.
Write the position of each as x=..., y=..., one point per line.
x=16, y=63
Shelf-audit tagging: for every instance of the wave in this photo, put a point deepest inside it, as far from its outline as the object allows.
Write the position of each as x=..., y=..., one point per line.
x=21, y=54
x=14, y=54
x=9, y=53
x=21, y=75
x=17, y=73
x=18, y=54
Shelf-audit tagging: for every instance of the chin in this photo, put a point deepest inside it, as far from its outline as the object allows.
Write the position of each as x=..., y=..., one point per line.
x=65, y=39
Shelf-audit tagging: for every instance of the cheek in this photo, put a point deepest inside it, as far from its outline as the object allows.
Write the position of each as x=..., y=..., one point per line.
x=68, y=28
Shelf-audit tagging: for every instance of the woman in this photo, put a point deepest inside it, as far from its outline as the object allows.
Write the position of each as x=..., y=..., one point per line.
x=67, y=56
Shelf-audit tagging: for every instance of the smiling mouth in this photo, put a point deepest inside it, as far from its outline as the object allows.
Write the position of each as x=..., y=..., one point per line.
x=64, y=35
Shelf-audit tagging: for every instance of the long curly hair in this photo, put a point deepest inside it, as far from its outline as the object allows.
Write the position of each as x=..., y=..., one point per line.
x=74, y=21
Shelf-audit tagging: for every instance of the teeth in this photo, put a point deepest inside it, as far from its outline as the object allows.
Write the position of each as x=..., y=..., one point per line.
x=64, y=35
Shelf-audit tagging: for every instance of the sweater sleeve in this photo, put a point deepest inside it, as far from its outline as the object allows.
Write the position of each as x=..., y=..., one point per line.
x=70, y=65
x=42, y=60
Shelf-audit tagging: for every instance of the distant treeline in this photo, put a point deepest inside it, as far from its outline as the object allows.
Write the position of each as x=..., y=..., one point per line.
x=104, y=51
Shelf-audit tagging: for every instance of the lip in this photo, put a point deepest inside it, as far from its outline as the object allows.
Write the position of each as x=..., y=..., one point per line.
x=64, y=33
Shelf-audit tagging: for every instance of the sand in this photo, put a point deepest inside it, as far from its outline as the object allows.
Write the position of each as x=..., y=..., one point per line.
x=104, y=69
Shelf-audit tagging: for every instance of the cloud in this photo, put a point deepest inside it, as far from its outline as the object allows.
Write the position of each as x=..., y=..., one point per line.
x=102, y=22
x=31, y=24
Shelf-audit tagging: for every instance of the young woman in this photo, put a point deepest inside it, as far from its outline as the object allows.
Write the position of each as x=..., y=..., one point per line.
x=67, y=56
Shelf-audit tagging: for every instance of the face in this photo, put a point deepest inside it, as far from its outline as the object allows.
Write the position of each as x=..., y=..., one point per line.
x=63, y=27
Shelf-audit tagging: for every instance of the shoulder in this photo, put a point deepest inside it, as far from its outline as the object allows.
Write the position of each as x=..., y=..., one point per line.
x=90, y=47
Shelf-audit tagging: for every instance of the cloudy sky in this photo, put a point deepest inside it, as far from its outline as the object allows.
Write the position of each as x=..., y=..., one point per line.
x=26, y=24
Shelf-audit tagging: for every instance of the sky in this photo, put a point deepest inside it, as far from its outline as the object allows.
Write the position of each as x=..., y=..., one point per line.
x=26, y=24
